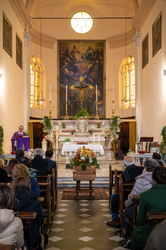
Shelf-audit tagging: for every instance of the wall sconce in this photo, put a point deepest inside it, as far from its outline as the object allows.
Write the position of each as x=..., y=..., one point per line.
x=0, y=76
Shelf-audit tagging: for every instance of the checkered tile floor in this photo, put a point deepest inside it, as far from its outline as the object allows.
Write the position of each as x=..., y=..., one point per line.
x=81, y=225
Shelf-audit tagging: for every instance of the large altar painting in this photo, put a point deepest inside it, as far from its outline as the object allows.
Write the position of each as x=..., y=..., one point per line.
x=81, y=65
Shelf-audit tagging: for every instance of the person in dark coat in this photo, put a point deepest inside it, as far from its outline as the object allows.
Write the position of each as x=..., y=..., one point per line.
x=3, y=173
x=152, y=200
x=26, y=201
x=51, y=163
x=129, y=174
x=39, y=163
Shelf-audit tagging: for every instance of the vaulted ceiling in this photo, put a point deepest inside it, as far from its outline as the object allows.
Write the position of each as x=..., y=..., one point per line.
x=114, y=11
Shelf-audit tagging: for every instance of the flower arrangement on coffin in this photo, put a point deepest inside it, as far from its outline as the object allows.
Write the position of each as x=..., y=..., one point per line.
x=84, y=157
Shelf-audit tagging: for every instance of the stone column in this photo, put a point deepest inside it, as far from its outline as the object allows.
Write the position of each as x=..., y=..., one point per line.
x=27, y=38
x=136, y=39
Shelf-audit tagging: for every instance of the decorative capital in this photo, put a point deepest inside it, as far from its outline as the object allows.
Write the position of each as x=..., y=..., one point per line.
x=136, y=38
x=27, y=37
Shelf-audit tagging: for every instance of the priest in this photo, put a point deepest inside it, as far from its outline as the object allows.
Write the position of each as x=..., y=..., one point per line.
x=15, y=136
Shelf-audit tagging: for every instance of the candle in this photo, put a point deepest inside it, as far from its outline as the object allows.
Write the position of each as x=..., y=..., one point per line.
x=50, y=94
x=96, y=92
x=113, y=96
x=93, y=138
x=66, y=92
x=98, y=138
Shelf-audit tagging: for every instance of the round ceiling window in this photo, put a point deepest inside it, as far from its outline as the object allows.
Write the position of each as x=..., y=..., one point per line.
x=81, y=22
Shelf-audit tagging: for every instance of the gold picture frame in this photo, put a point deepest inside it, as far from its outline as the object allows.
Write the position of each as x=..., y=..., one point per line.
x=7, y=35
x=18, y=51
x=145, y=51
x=157, y=35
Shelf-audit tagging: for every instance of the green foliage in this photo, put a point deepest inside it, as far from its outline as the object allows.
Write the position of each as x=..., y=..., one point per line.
x=81, y=113
x=115, y=126
x=47, y=125
x=163, y=143
x=67, y=140
x=1, y=140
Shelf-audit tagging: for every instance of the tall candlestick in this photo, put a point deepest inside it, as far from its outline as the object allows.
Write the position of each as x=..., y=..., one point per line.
x=96, y=92
x=98, y=138
x=50, y=94
x=113, y=94
x=66, y=93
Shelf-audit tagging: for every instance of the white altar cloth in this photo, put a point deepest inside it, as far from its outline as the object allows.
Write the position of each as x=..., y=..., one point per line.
x=68, y=148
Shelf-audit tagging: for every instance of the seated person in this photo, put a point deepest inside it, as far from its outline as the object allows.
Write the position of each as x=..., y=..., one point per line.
x=3, y=173
x=143, y=182
x=11, y=227
x=26, y=201
x=129, y=174
x=20, y=132
x=19, y=154
x=9, y=168
x=39, y=163
x=21, y=170
x=157, y=157
x=51, y=163
x=152, y=200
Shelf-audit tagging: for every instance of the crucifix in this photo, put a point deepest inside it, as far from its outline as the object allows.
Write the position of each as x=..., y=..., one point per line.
x=81, y=86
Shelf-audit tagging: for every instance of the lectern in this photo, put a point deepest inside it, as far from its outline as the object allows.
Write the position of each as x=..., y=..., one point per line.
x=21, y=142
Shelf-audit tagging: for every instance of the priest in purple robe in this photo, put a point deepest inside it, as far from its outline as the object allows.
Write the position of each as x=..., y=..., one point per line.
x=15, y=136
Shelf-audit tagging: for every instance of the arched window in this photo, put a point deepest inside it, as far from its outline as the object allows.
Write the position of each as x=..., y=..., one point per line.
x=36, y=83
x=127, y=83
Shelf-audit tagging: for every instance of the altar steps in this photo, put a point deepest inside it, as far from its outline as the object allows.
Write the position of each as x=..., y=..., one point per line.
x=64, y=182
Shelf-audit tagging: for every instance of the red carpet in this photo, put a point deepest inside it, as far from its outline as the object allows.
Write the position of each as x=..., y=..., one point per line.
x=97, y=194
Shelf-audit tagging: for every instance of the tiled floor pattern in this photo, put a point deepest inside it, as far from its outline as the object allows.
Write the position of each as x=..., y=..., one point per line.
x=81, y=225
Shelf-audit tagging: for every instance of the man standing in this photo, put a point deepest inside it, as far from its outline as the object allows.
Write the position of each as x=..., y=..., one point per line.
x=20, y=132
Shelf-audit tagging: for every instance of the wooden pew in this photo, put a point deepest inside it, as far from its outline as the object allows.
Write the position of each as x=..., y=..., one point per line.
x=27, y=220
x=156, y=217
x=7, y=247
x=124, y=191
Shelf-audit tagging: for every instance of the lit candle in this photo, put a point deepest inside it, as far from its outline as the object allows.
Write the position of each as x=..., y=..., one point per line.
x=50, y=94
x=113, y=96
x=66, y=92
x=96, y=92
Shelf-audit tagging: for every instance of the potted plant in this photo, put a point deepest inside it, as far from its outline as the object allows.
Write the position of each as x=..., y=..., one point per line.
x=67, y=140
x=1, y=141
x=90, y=131
x=72, y=132
x=82, y=113
x=163, y=143
x=47, y=125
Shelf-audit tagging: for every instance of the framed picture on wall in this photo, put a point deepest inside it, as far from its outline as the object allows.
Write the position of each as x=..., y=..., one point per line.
x=157, y=35
x=145, y=52
x=7, y=35
x=81, y=76
x=18, y=51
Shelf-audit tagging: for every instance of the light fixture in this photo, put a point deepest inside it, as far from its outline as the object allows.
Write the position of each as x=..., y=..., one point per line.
x=0, y=76
x=41, y=100
x=81, y=22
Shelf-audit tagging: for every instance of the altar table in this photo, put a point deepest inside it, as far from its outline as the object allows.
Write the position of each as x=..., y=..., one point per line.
x=72, y=148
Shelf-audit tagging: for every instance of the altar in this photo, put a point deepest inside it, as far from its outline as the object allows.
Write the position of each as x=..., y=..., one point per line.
x=72, y=148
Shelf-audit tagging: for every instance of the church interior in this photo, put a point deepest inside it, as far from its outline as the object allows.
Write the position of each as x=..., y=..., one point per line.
x=106, y=58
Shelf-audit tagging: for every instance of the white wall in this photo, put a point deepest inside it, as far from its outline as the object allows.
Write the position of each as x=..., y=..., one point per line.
x=152, y=86
x=12, y=83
